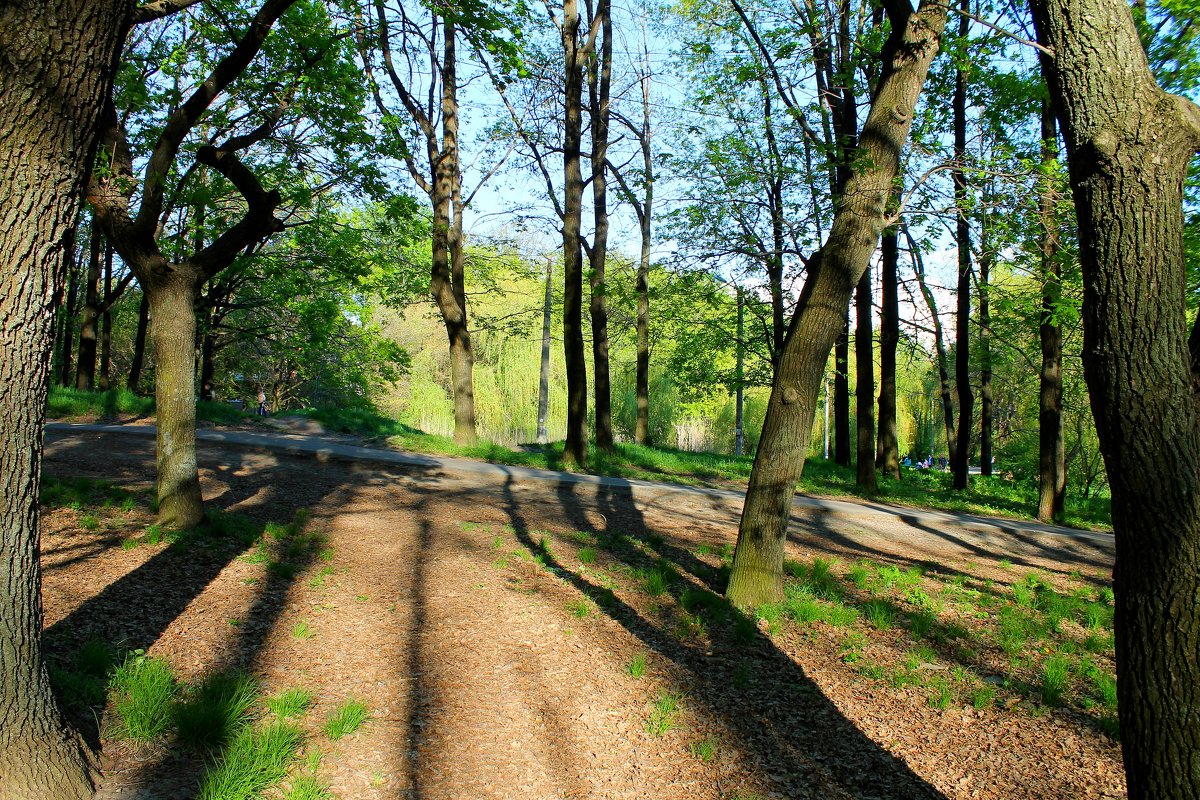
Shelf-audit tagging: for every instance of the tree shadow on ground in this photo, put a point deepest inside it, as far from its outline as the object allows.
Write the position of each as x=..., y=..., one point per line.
x=776, y=713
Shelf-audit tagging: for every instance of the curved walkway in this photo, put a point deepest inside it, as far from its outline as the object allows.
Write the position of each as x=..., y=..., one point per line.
x=327, y=448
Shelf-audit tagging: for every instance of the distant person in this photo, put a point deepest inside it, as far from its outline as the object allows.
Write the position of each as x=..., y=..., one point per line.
x=262, y=403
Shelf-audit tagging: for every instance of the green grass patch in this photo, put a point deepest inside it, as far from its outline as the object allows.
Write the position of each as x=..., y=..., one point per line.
x=210, y=713
x=663, y=713
x=307, y=787
x=142, y=692
x=255, y=760
x=348, y=718
x=303, y=631
x=1056, y=678
x=636, y=666
x=705, y=749
x=290, y=702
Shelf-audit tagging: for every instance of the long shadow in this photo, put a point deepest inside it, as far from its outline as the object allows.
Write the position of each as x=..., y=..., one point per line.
x=418, y=701
x=780, y=714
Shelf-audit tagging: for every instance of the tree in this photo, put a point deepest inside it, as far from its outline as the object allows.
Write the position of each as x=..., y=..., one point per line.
x=912, y=44
x=58, y=64
x=1052, y=466
x=437, y=123
x=1128, y=145
x=962, y=239
x=864, y=365
x=887, y=452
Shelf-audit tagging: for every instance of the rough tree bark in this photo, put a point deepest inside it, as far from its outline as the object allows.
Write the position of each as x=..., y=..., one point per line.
x=1052, y=454
x=887, y=454
x=864, y=391
x=757, y=574
x=962, y=240
x=57, y=62
x=1129, y=144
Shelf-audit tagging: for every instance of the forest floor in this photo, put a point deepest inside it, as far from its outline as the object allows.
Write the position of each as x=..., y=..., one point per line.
x=518, y=638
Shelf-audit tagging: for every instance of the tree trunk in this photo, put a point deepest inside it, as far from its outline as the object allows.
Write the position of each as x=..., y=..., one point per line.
x=757, y=573
x=864, y=392
x=962, y=239
x=173, y=333
x=939, y=340
x=841, y=396
x=66, y=366
x=739, y=409
x=447, y=278
x=106, y=322
x=985, y=353
x=599, y=89
x=642, y=428
x=208, y=367
x=575, y=451
x=58, y=64
x=1129, y=145
x=85, y=371
x=887, y=454
x=139, y=344
x=543, y=436
x=1052, y=466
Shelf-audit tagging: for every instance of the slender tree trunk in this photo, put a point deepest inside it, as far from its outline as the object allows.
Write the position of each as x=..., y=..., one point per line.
x=447, y=281
x=985, y=353
x=642, y=429
x=208, y=367
x=544, y=374
x=66, y=374
x=139, y=344
x=739, y=408
x=757, y=573
x=57, y=67
x=1129, y=145
x=887, y=455
x=173, y=333
x=599, y=89
x=939, y=340
x=962, y=238
x=575, y=452
x=1052, y=462
x=106, y=322
x=841, y=396
x=85, y=373
x=864, y=366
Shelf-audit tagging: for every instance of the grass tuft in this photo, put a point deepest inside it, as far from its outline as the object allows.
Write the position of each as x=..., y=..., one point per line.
x=662, y=715
x=348, y=718
x=290, y=703
x=143, y=690
x=636, y=666
x=255, y=760
x=210, y=713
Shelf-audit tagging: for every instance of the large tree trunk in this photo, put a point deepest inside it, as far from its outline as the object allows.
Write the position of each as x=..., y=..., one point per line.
x=757, y=574
x=575, y=451
x=543, y=435
x=173, y=333
x=85, y=371
x=1052, y=461
x=841, y=396
x=962, y=239
x=864, y=392
x=599, y=89
x=57, y=67
x=887, y=454
x=139, y=344
x=1128, y=148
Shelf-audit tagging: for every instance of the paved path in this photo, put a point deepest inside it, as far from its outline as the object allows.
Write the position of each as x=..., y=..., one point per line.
x=325, y=448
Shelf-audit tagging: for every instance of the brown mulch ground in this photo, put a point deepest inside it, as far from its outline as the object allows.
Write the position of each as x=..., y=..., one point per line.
x=495, y=666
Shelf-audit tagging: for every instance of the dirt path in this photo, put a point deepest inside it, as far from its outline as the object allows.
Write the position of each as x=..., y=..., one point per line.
x=489, y=622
